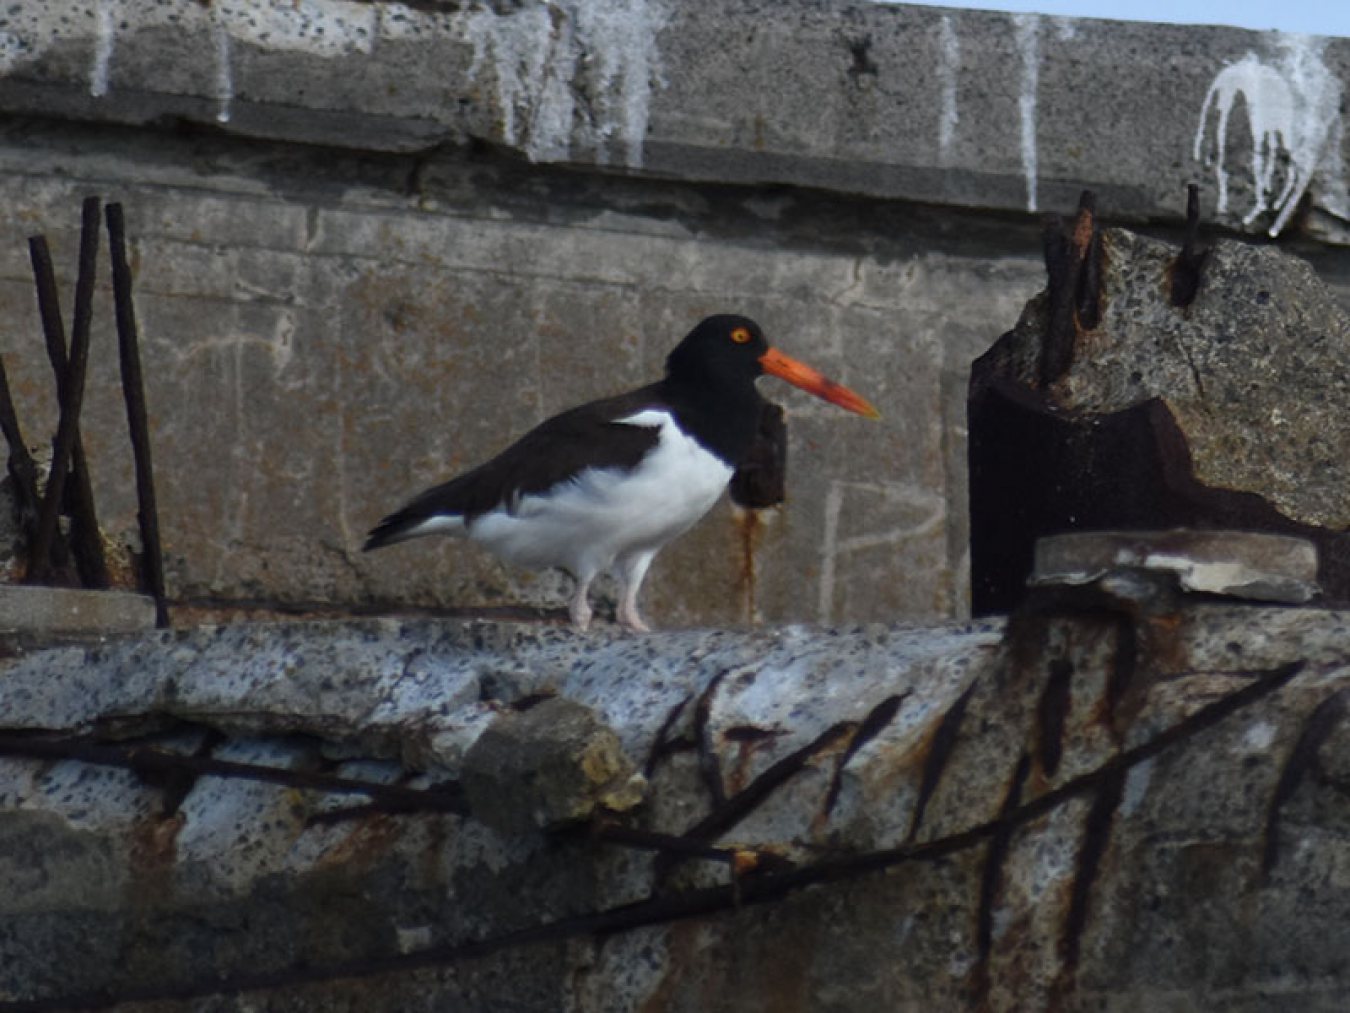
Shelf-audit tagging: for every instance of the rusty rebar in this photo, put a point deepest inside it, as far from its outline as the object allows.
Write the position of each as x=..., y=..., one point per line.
x=86, y=543
x=1057, y=343
x=760, y=479
x=22, y=470
x=680, y=846
x=149, y=759
x=1073, y=265
x=41, y=562
x=133, y=390
x=1087, y=242
x=1188, y=268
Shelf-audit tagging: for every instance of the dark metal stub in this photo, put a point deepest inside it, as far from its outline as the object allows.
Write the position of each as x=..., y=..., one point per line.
x=1073, y=267
x=1188, y=269
x=761, y=479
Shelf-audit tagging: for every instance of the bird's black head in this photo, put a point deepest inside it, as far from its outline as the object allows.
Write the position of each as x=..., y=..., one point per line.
x=722, y=349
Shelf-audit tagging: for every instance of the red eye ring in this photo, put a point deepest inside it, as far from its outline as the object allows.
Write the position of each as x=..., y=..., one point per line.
x=740, y=335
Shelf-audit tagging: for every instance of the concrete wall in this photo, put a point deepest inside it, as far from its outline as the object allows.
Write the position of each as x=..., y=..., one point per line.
x=375, y=241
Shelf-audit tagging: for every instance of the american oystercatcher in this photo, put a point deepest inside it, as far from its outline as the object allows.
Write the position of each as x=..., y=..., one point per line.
x=608, y=484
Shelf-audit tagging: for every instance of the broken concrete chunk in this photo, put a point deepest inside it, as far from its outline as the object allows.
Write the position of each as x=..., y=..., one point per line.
x=1238, y=564
x=552, y=764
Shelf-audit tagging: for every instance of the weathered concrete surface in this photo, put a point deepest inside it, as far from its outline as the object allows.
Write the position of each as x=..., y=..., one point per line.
x=967, y=108
x=373, y=241
x=46, y=613
x=1222, y=406
x=1256, y=369
x=1087, y=810
x=317, y=350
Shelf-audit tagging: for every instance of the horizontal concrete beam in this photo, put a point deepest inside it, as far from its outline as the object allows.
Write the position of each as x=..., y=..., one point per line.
x=1012, y=112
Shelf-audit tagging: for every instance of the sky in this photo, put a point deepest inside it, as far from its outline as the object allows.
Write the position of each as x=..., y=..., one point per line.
x=1313, y=17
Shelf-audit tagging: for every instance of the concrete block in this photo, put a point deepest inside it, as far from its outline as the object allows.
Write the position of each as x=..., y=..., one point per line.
x=52, y=612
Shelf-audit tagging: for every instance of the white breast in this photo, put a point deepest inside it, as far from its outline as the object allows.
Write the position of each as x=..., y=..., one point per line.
x=604, y=513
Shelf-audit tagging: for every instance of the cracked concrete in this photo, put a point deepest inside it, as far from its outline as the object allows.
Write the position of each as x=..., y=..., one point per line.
x=1037, y=822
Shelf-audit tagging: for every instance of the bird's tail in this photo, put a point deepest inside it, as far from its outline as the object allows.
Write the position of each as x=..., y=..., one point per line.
x=413, y=521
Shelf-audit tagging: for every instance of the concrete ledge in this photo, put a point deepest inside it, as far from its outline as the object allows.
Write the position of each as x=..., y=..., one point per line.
x=53, y=612
x=1013, y=112
x=881, y=817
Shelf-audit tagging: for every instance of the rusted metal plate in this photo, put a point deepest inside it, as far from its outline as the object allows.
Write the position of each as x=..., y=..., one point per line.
x=1237, y=564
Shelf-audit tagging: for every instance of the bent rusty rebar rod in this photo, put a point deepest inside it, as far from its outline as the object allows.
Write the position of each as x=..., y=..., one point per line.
x=86, y=542
x=41, y=563
x=22, y=470
x=133, y=389
x=143, y=758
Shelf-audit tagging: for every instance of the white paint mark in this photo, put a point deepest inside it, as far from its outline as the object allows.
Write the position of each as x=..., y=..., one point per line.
x=224, y=70
x=1293, y=111
x=1066, y=29
x=571, y=73
x=622, y=38
x=920, y=512
x=1027, y=28
x=1258, y=737
x=103, y=50
x=949, y=64
x=1136, y=787
x=834, y=502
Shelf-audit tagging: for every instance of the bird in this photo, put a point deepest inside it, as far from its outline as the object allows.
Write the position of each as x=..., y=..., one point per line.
x=606, y=485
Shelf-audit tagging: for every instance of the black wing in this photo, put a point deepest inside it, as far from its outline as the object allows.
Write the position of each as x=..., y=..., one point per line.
x=552, y=453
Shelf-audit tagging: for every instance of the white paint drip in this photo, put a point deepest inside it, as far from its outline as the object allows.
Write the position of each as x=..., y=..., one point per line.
x=1027, y=28
x=949, y=64
x=103, y=50
x=834, y=502
x=1293, y=111
x=542, y=58
x=224, y=70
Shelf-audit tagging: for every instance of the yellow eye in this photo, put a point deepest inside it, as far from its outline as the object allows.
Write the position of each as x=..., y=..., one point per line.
x=740, y=335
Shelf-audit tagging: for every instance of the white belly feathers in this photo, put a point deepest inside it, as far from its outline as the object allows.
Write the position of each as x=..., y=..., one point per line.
x=584, y=524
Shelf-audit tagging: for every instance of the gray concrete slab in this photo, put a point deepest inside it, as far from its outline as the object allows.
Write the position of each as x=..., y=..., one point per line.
x=1015, y=112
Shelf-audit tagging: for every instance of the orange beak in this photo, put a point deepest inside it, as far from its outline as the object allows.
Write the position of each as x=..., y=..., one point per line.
x=799, y=374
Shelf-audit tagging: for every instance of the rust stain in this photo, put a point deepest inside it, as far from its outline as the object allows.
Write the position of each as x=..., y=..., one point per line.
x=749, y=531
x=749, y=741
x=153, y=851
x=367, y=842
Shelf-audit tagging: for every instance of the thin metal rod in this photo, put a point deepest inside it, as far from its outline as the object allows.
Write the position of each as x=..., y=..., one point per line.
x=72, y=396
x=22, y=470
x=133, y=389
x=86, y=542
x=148, y=759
